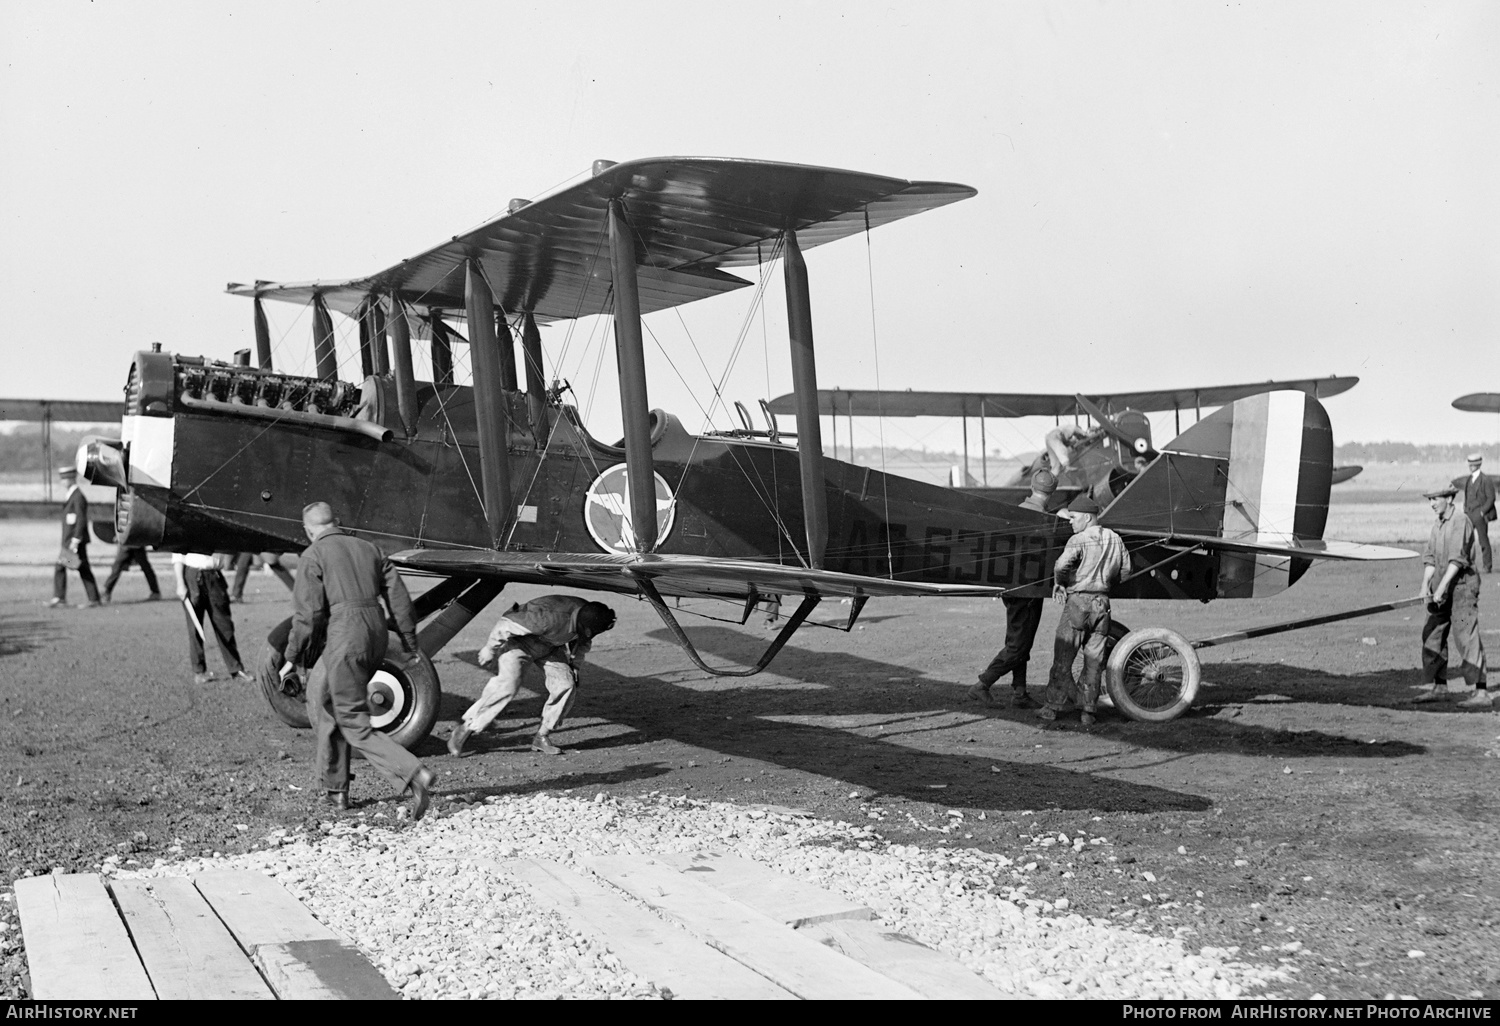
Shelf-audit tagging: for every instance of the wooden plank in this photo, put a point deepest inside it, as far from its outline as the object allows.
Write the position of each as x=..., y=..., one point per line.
x=258, y=910
x=796, y=962
x=76, y=946
x=186, y=950
x=783, y=898
x=322, y=970
x=930, y=973
x=666, y=955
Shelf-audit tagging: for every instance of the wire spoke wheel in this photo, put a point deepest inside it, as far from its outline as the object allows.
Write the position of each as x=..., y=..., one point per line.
x=1153, y=675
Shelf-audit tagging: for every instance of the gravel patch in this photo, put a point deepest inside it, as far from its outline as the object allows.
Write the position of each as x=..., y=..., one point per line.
x=439, y=924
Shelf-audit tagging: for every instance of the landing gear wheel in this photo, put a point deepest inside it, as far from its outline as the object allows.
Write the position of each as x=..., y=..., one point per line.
x=287, y=699
x=1153, y=675
x=404, y=696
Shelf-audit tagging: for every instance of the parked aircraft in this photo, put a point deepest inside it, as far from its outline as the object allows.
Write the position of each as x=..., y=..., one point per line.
x=501, y=481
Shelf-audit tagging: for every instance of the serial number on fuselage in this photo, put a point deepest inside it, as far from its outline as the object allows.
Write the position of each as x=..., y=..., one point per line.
x=950, y=554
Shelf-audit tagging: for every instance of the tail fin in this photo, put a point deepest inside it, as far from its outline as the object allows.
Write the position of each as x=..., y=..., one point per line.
x=1256, y=472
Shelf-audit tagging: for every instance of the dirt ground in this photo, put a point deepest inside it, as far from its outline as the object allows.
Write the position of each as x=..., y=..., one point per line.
x=1305, y=812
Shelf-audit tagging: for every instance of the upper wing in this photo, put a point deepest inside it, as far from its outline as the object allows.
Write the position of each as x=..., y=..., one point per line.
x=1478, y=402
x=81, y=411
x=672, y=575
x=692, y=216
x=871, y=403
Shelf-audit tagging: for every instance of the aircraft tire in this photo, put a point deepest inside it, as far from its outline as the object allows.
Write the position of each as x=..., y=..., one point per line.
x=408, y=715
x=404, y=695
x=1153, y=675
x=289, y=709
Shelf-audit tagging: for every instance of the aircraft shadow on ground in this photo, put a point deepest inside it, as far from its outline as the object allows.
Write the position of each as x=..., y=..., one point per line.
x=733, y=721
x=19, y=635
x=1241, y=682
x=852, y=690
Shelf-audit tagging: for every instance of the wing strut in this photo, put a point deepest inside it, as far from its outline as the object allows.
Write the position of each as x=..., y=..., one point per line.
x=635, y=410
x=323, y=349
x=262, y=337
x=489, y=404
x=809, y=602
x=805, y=386
x=406, y=381
x=536, y=380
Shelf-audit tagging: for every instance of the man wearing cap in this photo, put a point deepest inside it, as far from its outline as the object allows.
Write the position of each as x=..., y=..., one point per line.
x=554, y=632
x=341, y=581
x=1450, y=584
x=75, y=543
x=1479, y=504
x=1022, y=616
x=1091, y=563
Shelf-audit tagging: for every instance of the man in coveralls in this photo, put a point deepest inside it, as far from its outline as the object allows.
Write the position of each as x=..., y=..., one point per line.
x=1022, y=616
x=1451, y=559
x=553, y=631
x=340, y=581
x=75, y=542
x=1091, y=563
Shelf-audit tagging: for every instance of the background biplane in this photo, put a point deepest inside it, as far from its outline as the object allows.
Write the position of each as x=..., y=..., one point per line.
x=1114, y=446
x=499, y=481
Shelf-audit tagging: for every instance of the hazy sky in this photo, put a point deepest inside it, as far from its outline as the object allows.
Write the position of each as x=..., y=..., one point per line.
x=1170, y=193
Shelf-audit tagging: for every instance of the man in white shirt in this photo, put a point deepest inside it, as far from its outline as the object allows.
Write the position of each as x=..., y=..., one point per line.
x=201, y=588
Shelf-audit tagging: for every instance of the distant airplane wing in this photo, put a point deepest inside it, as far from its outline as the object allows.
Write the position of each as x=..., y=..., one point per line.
x=78, y=411
x=887, y=403
x=694, y=216
x=1478, y=402
x=672, y=574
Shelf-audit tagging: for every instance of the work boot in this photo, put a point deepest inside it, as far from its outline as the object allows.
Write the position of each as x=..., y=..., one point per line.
x=107, y=598
x=1086, y=718
x=242, y=677
x=421, y=792
x=981, y=693
x=541, y=744
x=339, y=800
x=457, y=738
x=55, y=603
x=1019, y=699
x=1480, y=700
x=1438, y=693
x=1046, y=713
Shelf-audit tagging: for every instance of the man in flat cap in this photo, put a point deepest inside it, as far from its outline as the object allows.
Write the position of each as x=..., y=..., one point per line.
x=1478, y=491
x=1091, y=563
x=1022, y=616
x=1450, y=584
x=75, y=543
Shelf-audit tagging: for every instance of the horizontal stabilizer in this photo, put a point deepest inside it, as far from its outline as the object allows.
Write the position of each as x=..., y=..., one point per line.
x=1320, y=549
x=672, y=574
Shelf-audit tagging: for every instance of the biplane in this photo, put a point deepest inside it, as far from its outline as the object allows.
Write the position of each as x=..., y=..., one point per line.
x=500, y=481
x=1099, y=458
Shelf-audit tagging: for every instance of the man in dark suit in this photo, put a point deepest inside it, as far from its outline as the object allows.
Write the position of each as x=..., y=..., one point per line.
x=1478, y=491
x=75, y=543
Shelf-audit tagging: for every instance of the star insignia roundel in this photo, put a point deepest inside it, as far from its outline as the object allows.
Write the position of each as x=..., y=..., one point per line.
x=606, y=511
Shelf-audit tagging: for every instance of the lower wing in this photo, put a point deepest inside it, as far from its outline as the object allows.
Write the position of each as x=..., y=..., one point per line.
x=671, y=574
